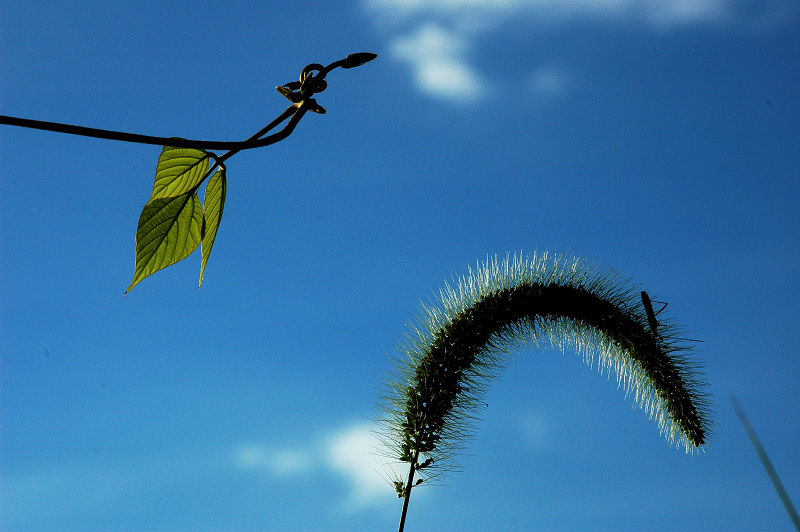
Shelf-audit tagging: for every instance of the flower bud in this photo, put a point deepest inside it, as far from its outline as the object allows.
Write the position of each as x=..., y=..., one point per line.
x=358, y=59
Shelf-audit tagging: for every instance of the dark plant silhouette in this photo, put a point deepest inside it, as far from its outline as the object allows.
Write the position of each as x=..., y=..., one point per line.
x=174, y=222
x=461, y=341
x=766, y=463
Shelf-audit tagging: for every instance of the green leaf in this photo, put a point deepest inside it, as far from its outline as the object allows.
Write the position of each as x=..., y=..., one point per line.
x=179, y=170
x=169, y=230
x=214, y=204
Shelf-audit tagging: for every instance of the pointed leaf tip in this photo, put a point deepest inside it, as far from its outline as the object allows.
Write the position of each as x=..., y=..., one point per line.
x=169, y=230
x=214, y=205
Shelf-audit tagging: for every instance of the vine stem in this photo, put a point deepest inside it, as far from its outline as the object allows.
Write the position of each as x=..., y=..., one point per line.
x=407, y=494
x=253, y=142
x=302, y=102
x=295, y=111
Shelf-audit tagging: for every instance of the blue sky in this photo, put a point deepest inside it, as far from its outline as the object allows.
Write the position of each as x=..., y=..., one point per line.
x=658, y=139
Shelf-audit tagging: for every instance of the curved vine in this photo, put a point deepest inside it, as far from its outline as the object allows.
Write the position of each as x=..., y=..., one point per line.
x=462, y=339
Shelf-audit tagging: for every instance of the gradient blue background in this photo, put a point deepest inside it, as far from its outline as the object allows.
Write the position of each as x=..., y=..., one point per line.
x=660, y=139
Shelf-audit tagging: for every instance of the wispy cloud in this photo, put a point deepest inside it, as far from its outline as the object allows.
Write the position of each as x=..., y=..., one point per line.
x=36, y=499
x=67, y=493
x=352, y=453
x=273, y=461
x=437, y=39
x=535, y=429
x=472, y=13
x=548, y=81
x=437, y=56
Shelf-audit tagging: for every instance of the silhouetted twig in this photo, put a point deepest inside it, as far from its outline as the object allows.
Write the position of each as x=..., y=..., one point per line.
x=762, y=455
x=302, y=101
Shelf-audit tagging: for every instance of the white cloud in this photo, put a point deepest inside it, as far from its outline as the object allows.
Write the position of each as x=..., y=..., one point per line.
x=67, y=492
x=435, y=37
x=535, y=429
x=544, y=12
x=353, y=453
x=680, y=12
x=437, y=57
x=548, y=81
x=278, y=462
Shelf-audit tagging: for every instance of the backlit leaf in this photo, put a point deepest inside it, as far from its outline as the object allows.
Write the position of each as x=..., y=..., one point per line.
x=214, y=204
x=169, y=230
x=179, y=170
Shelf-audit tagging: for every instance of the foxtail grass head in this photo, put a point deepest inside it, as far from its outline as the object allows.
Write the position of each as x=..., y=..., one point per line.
x=461, y=341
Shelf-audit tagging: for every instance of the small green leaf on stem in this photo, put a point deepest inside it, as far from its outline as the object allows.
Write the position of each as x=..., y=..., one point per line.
x=357, y=59
x=214, y=204
x=179, y=170
x=169, y=230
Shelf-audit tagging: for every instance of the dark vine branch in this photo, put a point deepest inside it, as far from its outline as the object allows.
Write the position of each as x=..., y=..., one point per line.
x=299, y=93
x=174, y=222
